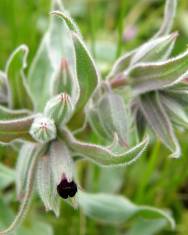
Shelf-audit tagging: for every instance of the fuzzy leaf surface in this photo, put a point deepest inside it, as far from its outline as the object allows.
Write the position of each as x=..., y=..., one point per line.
x=46, y=185
x=87, y=74
x=169, y=14
x=111, y=116
x=146, y=77
x=104, y=156
x=19, y=94
x=55, y=46
x=24, y=160
x=115, y=209
x=16, y=129
x=9, y=114
x=159, y=121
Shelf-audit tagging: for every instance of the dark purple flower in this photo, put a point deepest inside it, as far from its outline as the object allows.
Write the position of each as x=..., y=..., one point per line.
x=66, y=189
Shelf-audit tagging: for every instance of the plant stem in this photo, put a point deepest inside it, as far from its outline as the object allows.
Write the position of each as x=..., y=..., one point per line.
x=116, y=83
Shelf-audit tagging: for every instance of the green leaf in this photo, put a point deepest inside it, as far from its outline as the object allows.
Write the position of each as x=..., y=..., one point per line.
x=116, y=209
x=35, y=227
x=56, y=46
x=16, y=129
x=87, y=75
x=155, y=49
x=179, y=92
x=147, y=226
x=146, y=77
x=104, y=156
x=169, y=14
x=111, y=116
x=25, y=203
x=158, y=119
x=6, y=214
x=19, y=95
x=94, y=121
x=121, y=64
x=7, y=176
x=70, y=22
x=46, y=186
x=114, y=178
x=23, y=163
x=8, y=114
x=176, y=111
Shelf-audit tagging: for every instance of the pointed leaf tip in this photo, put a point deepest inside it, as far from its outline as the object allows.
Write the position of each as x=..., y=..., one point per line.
x=104, y=156
x=18, y=98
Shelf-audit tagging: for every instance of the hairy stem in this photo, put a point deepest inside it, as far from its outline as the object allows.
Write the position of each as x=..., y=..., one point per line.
x=117, y=83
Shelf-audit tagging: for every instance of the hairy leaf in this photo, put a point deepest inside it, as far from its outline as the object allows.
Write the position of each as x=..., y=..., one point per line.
x=147, y=226
x=70, y=22
x=111, y=116
x=155, y=49
x=169, y=14
x=25, y=156
x=46, y=186
x=178, y=92
x=56, y=45
x=94, y=121
x=16, y=129
x=28, y=195
x=121, y=64
x=146, y=77
x=103, y=155
x=176, y=111
x=86, y=72
x=115, y=209
x=9, y=114
x=158, y=119
x=19, y=95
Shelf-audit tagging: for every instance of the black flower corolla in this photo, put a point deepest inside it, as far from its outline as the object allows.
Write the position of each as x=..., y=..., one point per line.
x=66, y=189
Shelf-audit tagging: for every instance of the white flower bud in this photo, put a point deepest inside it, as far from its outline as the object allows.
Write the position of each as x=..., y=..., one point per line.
x=43, y=129
x=59, y=108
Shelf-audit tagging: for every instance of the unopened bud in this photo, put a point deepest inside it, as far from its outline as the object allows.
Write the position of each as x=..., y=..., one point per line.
x=63, y=80
x=59, y=108
x=43, y=129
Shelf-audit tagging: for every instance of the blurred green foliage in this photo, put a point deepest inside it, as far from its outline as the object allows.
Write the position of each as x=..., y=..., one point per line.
x=110, y=27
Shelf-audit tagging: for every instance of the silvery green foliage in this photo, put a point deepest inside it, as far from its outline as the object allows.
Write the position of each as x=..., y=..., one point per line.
x=154, y=77
x=106, y=208
x=108, y=116
x=64, y=90
x=46, y=185
x=18, y=88
x=23, y=163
